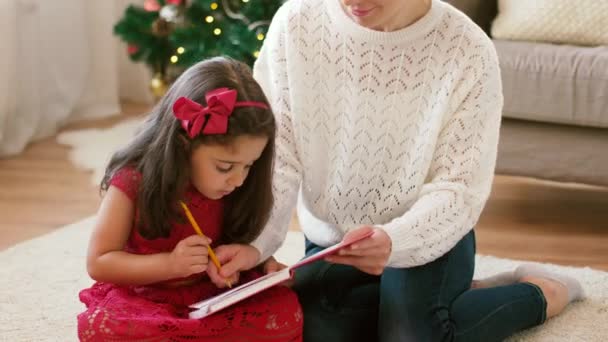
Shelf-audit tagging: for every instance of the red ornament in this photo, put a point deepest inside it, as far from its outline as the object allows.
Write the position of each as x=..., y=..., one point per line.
x=132, y=49
x=154, y=6
x=151, y=6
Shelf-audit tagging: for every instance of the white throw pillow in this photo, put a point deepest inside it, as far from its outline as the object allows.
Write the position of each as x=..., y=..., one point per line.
x=578, y=22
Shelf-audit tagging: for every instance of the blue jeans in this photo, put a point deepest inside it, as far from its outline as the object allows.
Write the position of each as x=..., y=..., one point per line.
x=432, y=302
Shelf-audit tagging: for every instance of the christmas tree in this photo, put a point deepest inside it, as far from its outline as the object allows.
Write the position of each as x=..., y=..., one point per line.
x=170, y=35
x=234, y=28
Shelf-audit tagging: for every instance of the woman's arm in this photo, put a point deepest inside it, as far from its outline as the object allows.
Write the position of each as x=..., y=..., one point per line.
x=460, y=175
x=108, y=262
x=270, y=70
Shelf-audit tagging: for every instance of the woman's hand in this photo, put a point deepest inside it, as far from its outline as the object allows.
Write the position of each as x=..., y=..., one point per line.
x=370, y=255
x=189, y=257
x=233, y=258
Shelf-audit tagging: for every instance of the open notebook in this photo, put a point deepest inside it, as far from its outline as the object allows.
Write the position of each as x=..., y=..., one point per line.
x=209, y=306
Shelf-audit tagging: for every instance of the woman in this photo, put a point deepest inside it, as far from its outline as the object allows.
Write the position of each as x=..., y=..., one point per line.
x=388, y=115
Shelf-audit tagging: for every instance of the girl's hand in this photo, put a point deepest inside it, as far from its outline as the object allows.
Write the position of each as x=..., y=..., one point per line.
x=370, y=255
x=234, y=258
x=272, y=265
x=189, y=256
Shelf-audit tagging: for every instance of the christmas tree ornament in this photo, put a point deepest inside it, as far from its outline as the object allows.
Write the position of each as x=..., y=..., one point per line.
x=151, y=5
x=132, y=49
x=171, y=14
x=158, y=86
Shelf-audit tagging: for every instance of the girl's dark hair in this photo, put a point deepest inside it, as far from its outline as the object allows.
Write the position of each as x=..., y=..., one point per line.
x=161, y=153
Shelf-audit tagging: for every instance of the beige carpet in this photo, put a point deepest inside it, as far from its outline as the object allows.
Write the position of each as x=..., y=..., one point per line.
x=40, y=280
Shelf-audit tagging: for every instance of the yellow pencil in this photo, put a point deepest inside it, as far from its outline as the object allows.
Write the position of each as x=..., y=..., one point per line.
x=198, y=230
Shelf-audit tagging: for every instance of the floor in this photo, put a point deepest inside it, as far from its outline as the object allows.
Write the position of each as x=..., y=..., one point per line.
x=528, y=219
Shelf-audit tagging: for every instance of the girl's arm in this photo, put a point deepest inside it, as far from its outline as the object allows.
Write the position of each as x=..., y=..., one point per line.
x=108, y=262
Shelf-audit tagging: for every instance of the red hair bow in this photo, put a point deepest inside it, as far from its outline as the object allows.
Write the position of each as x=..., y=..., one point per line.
x=212, y=119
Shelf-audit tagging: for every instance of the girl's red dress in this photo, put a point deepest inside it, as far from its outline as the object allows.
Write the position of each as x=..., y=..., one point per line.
x=159, y=312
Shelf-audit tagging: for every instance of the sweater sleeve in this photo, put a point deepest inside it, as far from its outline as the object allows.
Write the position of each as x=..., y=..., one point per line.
x=460, y=176
x=270, y=70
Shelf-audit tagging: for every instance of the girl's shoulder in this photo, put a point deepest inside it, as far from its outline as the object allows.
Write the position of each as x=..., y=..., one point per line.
x=127, y=180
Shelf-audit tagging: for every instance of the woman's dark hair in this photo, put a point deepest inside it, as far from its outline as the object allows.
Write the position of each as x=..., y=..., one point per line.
x=161, y=153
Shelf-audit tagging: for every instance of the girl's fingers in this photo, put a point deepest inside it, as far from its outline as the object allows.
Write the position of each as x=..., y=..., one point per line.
x=272, y=265
x=196, y=240
x=199, y=268
x=234, y=278
x=217, y=279
x=198, y=260
x=198, y=252
x=214, y=277
x=222, y=282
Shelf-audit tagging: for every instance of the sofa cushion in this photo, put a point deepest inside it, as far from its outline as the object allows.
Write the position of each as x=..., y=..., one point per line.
x=555, y=83
x=554, y=152
x=580, y=22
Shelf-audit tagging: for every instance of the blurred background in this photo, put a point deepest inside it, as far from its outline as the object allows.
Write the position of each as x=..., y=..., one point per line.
x=94, y=68
x=69, y=60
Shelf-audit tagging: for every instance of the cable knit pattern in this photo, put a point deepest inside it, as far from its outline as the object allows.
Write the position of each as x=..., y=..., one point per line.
x=393, y=129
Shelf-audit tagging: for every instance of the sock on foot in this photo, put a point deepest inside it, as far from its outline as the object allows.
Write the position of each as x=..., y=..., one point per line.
x=575, y=290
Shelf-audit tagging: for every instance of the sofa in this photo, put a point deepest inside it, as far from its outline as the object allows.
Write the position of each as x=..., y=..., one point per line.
x=555, y=117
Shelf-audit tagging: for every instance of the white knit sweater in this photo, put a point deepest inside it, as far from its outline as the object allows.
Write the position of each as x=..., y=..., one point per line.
x=393, y=129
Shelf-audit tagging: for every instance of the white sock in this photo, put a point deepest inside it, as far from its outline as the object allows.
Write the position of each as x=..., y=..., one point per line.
x=575, y=290
x=500, y=279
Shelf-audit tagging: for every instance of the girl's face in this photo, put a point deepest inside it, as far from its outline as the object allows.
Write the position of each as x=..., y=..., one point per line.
x=217, y=170
x=380, y=15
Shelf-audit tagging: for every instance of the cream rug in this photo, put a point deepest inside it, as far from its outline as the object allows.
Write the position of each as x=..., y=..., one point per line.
x=40, y=280
x=92, y=148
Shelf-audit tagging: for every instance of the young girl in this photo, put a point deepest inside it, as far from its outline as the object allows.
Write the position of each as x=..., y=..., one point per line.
x=208, y=144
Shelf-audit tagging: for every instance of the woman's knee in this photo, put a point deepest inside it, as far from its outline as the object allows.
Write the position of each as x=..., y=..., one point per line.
x=415, y=320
